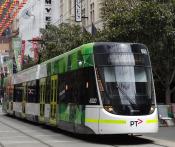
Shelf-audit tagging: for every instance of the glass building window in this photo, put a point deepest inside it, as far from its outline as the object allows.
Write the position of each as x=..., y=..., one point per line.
x=92, y=12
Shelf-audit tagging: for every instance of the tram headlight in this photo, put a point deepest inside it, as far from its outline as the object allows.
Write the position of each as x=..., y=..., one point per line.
x=152, y=109
x=109, y=109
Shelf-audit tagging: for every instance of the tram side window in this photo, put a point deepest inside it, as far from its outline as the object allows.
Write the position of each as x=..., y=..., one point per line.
x=48, y=90
x=18, y=92
x=67, y=90
x=62, y=88
x=78, y=87
x=31, y=92
x=69, y=85
x=87, y=91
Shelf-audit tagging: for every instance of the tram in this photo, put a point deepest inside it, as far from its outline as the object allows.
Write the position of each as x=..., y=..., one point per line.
x=97, y=88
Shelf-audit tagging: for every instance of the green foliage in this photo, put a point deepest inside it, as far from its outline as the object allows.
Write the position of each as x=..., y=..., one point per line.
x=65, y=37
x=149, y=22
x=136, y=21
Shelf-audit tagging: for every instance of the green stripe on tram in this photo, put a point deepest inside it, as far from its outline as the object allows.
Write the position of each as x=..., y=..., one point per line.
x=105, y=121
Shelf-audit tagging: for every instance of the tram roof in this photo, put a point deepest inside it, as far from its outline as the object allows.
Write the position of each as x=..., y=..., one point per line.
x=41, y=70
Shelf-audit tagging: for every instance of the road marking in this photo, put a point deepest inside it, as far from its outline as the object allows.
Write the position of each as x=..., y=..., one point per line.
x=45, y=135
x=60, y=141
x=11, y=137
x=7, y=131
x=20, y=142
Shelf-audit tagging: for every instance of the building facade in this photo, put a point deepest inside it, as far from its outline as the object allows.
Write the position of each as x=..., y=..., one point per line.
x=4, y=45
x=90, y=13
x=36, y=14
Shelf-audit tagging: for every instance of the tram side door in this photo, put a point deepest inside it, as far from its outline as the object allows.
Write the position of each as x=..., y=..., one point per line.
x=23, y=100
x=42, y=88
x=53, y=101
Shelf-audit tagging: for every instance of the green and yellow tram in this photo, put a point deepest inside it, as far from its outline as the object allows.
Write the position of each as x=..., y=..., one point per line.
x=97, y=88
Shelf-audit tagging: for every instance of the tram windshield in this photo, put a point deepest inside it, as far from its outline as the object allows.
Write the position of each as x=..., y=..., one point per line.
x=125, y=80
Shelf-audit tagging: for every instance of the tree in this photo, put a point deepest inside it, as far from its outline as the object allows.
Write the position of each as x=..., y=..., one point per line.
x=65, y=37
x=149, y=22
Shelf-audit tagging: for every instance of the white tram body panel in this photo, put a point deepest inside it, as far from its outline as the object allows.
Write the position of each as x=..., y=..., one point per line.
x=47, y=112
x=32, y=109
x=103, y=122
x=17, y=107
x=112, y=124
x=91, y=118
x=10, y=108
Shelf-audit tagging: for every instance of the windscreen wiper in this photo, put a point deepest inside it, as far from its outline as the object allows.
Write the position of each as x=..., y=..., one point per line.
x=124, y=93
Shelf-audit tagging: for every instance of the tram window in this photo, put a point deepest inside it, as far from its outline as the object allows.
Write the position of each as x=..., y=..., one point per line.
x=48, y=90
x=18, y=93
x=78, y=87
x=62, y=88
x=89, y=91
x=86, y=87
x=14, y=94
x=66, y=87
x=69, y=91
x=37, y=92
x=31, y=92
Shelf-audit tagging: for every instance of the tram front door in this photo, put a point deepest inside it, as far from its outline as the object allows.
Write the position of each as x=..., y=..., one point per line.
x=23, y=89
x=42, y=84
x=53, y=101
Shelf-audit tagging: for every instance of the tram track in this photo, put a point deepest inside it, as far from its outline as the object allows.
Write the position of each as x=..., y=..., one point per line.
x=24, y=133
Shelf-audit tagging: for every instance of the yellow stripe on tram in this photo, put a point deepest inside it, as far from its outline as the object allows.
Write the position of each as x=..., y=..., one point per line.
x=151, y=121
x=105, y=121
x=88, y=120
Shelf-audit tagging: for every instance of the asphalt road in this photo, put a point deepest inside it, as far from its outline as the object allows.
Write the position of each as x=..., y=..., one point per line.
x=165, y=133
x=17, y=133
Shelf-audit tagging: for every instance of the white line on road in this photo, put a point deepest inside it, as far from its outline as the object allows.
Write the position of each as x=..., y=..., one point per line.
x=13, y=137
x=6, y=131
x=60, y=141
x=19, y=142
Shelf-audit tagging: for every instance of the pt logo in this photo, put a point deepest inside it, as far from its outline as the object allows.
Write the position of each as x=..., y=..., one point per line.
x=136, y=123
